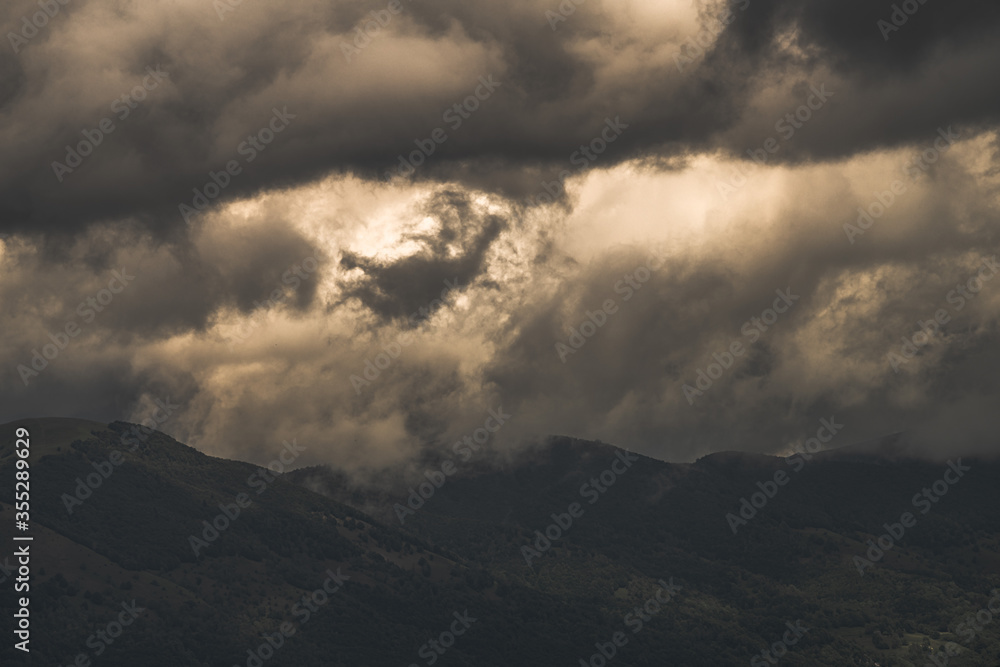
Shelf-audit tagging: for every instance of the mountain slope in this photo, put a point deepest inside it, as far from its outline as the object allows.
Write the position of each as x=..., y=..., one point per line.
x=464, y=550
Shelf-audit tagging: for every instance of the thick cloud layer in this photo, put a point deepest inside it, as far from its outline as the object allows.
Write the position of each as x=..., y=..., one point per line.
x=679, y=228
x=216, y=81
x=668, y=271
x=450, y=256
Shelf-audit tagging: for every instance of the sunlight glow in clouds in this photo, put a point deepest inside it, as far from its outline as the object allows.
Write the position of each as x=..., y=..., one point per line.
x=497, y=284
x=771, y=222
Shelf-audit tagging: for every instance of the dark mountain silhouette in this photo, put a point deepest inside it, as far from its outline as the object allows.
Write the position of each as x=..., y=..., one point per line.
x=621, y=528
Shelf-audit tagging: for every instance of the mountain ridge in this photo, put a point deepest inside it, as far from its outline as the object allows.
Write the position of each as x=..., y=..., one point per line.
x=464, y=549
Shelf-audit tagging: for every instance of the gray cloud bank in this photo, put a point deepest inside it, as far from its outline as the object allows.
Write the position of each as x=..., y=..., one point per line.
x=226, y=318
x=223, y=79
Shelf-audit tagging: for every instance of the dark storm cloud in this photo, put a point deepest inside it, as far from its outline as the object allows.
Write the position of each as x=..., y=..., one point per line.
x=526, y=275
x=249, y=263
x=170, y=288
x=449, y=259
x=224, y=78
x=105, y=386
x=827, y=356
x=862, y=37
x=55, y=293
x=894, y=83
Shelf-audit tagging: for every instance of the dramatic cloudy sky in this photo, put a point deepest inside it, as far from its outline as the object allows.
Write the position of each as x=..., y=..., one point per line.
x=496, y=270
